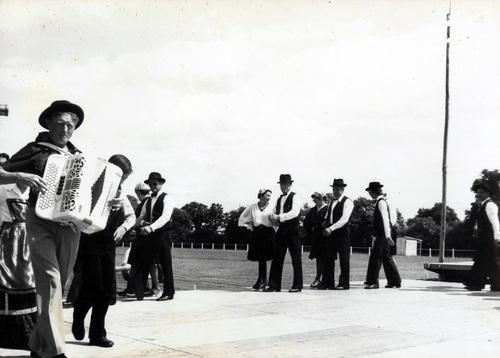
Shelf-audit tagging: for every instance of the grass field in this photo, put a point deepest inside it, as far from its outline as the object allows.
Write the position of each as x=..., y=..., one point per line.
x=230, y=270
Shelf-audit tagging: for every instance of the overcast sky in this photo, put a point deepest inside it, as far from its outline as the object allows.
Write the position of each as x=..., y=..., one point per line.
x=223, y=96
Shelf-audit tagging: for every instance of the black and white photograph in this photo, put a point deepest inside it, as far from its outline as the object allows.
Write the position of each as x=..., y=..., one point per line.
x=220, y=178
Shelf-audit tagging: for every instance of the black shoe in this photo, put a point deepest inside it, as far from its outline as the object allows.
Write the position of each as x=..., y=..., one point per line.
x=393, y=285
x=258, y=284
x=165, y=297
x=315, y=283
x=124, y=293
x=101, y=342
x=473, y=288
x=34, y=355
x=295, y=289
x=149, y=293
x=78, y=330
x=139, y=298
x=342, y=287
x=271, y=289
x=62, y=355
x=372, y=286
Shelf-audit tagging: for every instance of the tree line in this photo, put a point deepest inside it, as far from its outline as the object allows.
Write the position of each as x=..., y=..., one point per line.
x=197, y=222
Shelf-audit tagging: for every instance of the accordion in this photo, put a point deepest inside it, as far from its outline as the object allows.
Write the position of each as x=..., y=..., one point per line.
x=79, y=189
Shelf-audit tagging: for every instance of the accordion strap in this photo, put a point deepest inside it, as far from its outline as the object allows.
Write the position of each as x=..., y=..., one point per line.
x=54, y=147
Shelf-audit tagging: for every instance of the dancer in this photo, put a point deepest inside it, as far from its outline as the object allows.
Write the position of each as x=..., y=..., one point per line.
x=256, y=218
x=17, y=283
x=487, y=258
x=381, y=253
x=154, y=221
x=96, y=261
x=337, y=240
x=286, y=213
x=312, y=224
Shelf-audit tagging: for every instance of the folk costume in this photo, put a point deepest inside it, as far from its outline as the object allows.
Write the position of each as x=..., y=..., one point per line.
x=313, y=226
x=287, y=211
x=338, y=242
x=17, y=283
x=258, y=221
x=487, y=258
x=95, y=265
x=382, y=251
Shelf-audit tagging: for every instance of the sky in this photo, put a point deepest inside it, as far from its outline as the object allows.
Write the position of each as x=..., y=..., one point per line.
x=221, y=97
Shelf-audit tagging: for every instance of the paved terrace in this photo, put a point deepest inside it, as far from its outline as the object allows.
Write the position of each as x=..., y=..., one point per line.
x=422, y=319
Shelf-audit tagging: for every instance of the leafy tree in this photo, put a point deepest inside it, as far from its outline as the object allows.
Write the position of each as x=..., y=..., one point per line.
x=233, y=233
x=198, y=213
x=426, y=224
x=492, y=179
x=400, y=223
x=215, y=218
x=180, y=225
x=361, y=222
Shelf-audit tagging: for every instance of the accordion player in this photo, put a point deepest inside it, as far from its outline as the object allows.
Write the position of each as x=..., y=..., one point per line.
x=79, y=189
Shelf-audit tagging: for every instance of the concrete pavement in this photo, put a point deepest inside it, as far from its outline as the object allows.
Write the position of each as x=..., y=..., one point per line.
x=421, y=319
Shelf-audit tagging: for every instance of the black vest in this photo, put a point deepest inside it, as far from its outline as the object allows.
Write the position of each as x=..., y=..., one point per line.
x=287, y=206
x=338, y=210
x=484, y=227
x=157, y=211
x=378, y=222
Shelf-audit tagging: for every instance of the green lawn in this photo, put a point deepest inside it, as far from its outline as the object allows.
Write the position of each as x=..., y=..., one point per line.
x=230, y=270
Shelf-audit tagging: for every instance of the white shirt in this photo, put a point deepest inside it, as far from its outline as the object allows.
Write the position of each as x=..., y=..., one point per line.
x=168, y=208
x=9, y=191
x=492, y=213
x=294, y=212
x=128, y=212
x=346, y=213
x=252, y=216
x=384, y=210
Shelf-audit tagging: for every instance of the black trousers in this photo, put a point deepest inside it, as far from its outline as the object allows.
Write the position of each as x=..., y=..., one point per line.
x=342, y=244
x=381, y=255
x=97, y=286
x=286, y=238
x=156, y=243
x=486, y=265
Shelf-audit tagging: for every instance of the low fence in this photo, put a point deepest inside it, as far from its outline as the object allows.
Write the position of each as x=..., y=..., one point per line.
x=453, y=253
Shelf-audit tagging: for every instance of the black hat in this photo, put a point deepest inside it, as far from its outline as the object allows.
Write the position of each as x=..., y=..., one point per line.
x=61, y=106
x=285, y=178
x=374, y=185
x=338, y=182
x=154, y=176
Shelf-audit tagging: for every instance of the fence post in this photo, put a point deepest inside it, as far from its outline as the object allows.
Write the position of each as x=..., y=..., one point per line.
x=301, y=249
x=212, y=245
x=430, y=252
x=453, y=253
x=351, y=250
x=224, y=246
x=369, y=250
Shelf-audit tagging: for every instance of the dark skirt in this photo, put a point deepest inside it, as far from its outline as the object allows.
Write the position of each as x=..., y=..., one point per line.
x=316, y=243
x=17, y=288
x=261, y=244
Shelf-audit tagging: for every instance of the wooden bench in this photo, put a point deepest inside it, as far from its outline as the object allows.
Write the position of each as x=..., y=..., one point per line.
x=450, y=271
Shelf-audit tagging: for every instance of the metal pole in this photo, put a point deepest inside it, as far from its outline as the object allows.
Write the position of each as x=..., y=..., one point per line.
x=442, y=234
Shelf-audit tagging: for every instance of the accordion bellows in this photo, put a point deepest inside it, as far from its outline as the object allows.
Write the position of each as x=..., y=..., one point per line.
x=79, y=189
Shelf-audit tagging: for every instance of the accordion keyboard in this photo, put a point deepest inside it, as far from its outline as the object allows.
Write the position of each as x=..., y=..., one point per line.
x=51, y=177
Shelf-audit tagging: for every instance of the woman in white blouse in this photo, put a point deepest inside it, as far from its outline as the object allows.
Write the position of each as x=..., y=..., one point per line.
x=257, y=218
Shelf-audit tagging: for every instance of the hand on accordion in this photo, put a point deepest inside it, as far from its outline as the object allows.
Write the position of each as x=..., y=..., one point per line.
x=35, y=182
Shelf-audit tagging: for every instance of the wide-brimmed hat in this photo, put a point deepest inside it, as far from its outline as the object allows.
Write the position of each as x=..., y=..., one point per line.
x=317, y=195
x=374, y=185
x=338, y=183
x=285, y=178
x=61, y=106
x=154, y=176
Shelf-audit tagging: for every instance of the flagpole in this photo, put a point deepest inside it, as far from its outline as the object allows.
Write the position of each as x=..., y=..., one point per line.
x=442, y=234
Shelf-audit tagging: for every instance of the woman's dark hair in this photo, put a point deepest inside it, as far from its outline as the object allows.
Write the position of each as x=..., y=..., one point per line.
x=121, y=162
